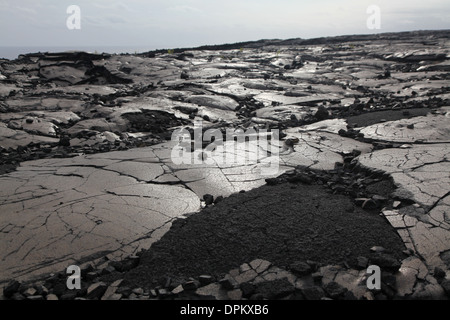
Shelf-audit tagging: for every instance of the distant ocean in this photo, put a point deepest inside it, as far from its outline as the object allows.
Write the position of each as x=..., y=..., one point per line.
x=12, y=53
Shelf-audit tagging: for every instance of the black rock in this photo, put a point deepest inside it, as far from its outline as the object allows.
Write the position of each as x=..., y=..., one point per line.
x=190, y=285
x=107, y=270
x=228, y=283
x=385, y=261
x=205, y=279
x=184, y=76
x=275, y=289
x=69, y=295
x=125, y=265
x=96, y=290
x=59, y=289
x=124, y=291
x=335, y=290
x=300, y=177
x=11, y=288
x=300, y=268
x=389, y=280
x=86, y=270
x=361, y=262
x=439, y=274
x=64, y=141
x=322, y=113
x=247, y=289
x=17, y=296
x=446, y=286
x=342, y=133
x=313, y=293
x=272, y=181
x=209, y=199
x=218, y=199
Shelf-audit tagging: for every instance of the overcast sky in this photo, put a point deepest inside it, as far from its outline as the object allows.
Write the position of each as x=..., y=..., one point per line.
x=176, y=23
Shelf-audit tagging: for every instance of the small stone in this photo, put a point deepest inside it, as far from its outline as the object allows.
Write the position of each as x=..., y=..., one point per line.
x=228, y=282
x=379, y=198
x=429, y=291
x=322, y=113
x=59, y=289
x=205, y=279
x=114, y=297
x=317, y=276
x=335, y=290
x=213, y=290
x=385, y=261
x=300, y=268
x=439, y=274
x=52, y=297
x=178, y=290
x=361, y=262
x=244, y=267
x=235, y=294
x=247, y=289
x=124, y=291
x=366, y=203
x=11, y=289
x=246, y=276
x=91, y=275
x=69, y=295
x=86, y=270
x=111, y=290
x=396, y=204
x=218, y=199
x=272, y=181
x=256, y=296
x=446, y=286
x=389, y=279
x=190, y=285
x=209, y=199
x=377, y=249
x=41, y=290
x=260, y=265
x=275, y=289
x=96, y=290
x=300, y=178
x=107, y=270
x=17, y=296
x=138, y=291
x=29, y=292
x=410, y=126
x=130, y=263
x=313, y=293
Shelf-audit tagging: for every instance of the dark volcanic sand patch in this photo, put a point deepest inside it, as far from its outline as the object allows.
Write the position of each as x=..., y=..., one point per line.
x=153, y=121
x=370, y=118
x=283, y=224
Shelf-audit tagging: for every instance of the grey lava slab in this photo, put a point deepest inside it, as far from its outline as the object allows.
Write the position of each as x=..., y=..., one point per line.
x=421, y=173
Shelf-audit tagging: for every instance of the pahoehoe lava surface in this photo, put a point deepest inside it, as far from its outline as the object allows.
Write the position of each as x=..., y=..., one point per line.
x=283, y=224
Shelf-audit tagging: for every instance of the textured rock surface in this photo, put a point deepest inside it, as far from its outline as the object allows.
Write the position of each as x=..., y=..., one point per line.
x=85, y=150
